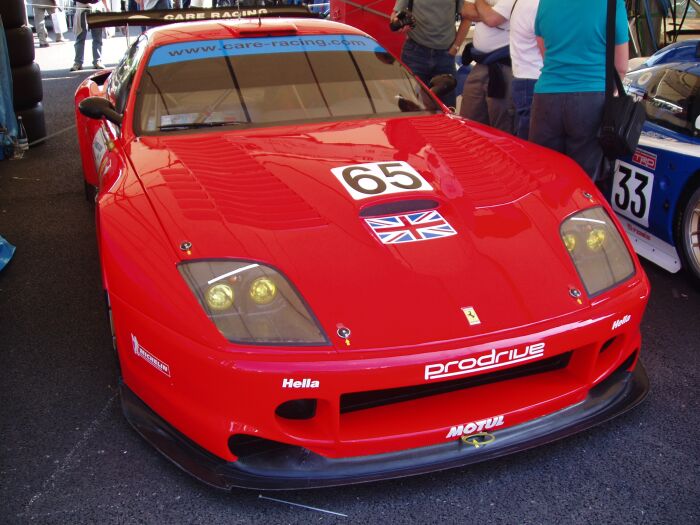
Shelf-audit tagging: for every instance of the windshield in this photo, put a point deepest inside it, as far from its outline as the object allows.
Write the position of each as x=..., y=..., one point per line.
x=254, y=82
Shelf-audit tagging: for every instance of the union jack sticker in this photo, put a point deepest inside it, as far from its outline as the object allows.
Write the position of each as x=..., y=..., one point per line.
x=413, y=227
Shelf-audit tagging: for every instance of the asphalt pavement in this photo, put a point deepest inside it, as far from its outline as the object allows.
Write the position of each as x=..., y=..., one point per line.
x=68, y=456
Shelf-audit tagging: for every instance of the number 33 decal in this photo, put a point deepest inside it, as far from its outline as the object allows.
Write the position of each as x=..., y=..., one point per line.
x=631, y=195
x=379, y=178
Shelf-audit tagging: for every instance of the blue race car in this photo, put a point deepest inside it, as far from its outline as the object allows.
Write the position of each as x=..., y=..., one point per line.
x=656, y=191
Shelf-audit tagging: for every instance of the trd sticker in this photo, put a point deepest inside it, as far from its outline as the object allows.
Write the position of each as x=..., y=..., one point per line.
x=644, y=159
x=631, y=194
x=152, y=360
x=379, y=178
x=412, y=227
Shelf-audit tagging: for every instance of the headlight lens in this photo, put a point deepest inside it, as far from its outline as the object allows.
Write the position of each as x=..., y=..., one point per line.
x=252, y=303
x=597, y=250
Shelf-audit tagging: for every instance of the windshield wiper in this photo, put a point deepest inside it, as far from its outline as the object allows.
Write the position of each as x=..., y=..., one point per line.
x=197, y=125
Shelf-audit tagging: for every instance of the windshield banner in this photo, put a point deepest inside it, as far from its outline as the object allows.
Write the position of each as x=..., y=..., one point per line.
x=185, y=51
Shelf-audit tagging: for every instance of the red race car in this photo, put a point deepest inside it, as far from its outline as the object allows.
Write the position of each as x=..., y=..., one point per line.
x=317, y=275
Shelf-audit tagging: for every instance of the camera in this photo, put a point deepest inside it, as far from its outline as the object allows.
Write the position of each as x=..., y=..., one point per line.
x=403, y=18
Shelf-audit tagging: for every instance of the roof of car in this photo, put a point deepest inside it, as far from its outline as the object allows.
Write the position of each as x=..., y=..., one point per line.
x=246, y=28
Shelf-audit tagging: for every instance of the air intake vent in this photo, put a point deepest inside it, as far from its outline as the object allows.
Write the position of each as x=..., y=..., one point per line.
x=391, y=208
x=376, y=398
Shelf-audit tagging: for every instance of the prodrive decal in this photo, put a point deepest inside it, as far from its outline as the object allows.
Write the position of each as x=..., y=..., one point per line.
x=486, y=361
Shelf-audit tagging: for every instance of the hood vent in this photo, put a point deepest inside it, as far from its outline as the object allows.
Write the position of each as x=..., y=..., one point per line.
x=392, y=208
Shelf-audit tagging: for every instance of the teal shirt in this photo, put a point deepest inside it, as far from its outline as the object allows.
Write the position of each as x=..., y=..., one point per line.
x=574, y=41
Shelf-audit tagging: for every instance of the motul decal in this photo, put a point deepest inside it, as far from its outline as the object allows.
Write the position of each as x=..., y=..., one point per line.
x=475, y=426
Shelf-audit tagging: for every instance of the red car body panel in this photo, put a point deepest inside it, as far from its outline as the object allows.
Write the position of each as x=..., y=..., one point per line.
x=266, y=195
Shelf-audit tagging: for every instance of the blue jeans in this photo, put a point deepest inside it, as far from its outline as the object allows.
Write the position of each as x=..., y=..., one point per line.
x=569, y=123
x=426, y=63
x=80, y=41
x=523, y=89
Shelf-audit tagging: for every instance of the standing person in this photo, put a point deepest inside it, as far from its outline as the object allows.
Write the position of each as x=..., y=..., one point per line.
x=41, y=9
x=527, y=61
x=567, y=107
x=486, y=97
x=82, y=8
x=148, y=5
x=431, y=43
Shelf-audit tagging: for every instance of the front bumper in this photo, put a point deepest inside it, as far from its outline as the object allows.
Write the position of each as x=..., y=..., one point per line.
x=293, y=467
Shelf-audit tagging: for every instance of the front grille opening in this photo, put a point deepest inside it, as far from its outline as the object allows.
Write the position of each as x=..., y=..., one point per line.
x=246, y=446
x=376, y=398
x=607, y=344
x=297, y=409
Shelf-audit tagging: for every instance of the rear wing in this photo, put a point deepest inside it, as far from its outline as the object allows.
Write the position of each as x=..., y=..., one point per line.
x=171, y=16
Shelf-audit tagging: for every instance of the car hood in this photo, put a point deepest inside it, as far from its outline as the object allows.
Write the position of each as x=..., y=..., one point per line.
x=269, y=195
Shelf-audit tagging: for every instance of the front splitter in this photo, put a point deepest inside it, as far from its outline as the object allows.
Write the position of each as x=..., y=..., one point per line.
x=293, y=467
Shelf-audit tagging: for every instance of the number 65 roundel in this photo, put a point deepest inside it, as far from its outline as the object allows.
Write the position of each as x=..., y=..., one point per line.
x=379, y=178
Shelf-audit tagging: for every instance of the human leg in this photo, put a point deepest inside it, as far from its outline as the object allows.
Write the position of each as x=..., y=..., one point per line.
x=444, y=63
x=583, y=113
x=546, y=126
x=417, y=59
x=522, y=90
x=40, y=24
x=80, y=40
x=97, y=47
x=501, y=110
x=474, y=105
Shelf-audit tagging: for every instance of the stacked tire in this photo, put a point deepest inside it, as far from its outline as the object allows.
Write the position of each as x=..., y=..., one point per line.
x=27, y=90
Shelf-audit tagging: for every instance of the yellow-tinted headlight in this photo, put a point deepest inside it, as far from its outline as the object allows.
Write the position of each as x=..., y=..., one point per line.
x=263, y=290
x=569, y=241
x=219, y=297
x=596, y=239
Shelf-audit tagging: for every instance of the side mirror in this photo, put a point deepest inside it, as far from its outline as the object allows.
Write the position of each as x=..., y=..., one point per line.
x=98, y=107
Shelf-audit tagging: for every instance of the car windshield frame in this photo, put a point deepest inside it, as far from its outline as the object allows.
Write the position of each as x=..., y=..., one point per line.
x=261, y=82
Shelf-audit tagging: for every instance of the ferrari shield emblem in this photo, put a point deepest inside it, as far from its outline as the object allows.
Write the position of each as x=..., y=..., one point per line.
x=471, y=316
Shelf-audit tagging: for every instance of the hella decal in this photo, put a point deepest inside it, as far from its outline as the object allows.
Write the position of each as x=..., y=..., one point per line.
x=296, y=383
x=152, y=360
x=618, y=323
x=487, y=361
x=475, y=426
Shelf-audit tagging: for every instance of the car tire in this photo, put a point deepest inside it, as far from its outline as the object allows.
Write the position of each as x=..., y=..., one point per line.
x=13, y=13
x=34, y=122
x=27, y=90
x=20, y=46
x=689, y=236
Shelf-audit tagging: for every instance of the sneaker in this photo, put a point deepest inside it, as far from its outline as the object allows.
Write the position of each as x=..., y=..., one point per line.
x=44, y=44
x=98, y=65
x=58, y=40
x=76, y=67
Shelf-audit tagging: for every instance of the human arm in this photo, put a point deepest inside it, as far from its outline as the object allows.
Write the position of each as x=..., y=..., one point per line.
x=540, y=44
x=469, y=13
x=462, y=30
x=488, y=14
x=622, y=55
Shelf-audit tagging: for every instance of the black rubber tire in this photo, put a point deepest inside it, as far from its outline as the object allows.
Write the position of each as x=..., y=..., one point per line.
x=20, y=46
x=34, y=122
x=13, y=13
x=689, y=236
x=27, y=89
